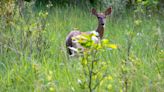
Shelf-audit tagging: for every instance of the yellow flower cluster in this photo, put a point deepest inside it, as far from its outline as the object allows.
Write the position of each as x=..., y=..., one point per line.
x=88, y=42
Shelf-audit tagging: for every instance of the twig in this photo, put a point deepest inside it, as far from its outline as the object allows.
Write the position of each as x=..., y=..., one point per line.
x=99, y=82
x=90, y=77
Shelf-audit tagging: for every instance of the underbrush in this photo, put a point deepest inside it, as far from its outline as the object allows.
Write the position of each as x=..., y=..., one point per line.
x=33, y=56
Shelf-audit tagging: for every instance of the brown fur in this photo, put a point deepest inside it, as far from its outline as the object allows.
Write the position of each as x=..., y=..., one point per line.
x=69, y=42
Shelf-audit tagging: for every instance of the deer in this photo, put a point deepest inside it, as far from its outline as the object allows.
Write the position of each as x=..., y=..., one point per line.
x=71, y=44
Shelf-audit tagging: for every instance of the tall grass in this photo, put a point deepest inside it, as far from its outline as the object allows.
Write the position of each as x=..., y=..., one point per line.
x=24, y=69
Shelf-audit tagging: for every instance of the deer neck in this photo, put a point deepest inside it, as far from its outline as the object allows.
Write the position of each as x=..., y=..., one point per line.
x=100, y=30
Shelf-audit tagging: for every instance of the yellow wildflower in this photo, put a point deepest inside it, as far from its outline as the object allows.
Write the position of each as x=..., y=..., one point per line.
x=121, y=90
x=109, y=77
x=50, y=72
x=49, y=77
x=109, y=86
x=105, y=41
x=52, y=89
x=113, y=46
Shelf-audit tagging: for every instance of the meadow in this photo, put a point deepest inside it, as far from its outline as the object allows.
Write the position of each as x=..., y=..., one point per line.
x=33, y=56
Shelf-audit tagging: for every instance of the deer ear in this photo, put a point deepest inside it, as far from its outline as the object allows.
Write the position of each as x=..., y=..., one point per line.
x=94, y=12
x=108, y=11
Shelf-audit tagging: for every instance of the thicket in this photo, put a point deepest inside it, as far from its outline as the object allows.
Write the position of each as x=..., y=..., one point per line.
x=119, y=6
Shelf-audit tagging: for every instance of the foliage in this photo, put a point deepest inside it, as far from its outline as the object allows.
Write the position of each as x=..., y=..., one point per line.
x=33, y=54
x=95, y=70
x=23, y=34
x=13, y=19
x=119, y=6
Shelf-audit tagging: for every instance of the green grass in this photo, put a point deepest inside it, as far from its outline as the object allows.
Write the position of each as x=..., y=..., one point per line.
x=51, y=68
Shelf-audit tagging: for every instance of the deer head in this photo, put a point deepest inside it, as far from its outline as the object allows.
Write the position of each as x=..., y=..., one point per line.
x=101, y=20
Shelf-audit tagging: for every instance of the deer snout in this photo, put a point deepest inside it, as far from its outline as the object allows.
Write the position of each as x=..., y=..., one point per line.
x=102, y=21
